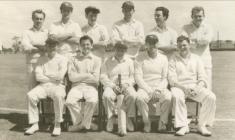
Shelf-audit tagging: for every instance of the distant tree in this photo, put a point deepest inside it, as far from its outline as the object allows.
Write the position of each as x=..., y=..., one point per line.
x=16, y=45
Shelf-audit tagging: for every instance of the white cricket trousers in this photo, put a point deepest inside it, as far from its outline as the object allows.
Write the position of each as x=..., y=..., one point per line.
x=32, y=82
x=128, y=104
x=55, y=91
x=209, y=77
x=207, y=110
x=79, y=114
x=144, y=100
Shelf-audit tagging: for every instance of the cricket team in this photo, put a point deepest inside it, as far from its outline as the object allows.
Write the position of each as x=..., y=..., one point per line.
x=165, y=68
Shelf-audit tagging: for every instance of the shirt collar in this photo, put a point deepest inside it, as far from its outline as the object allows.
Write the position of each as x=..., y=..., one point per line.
x=123, y=60
x=201, y=25
x=89, y=56
x=35, y=30
x=89, y=26
x=131, y=21
x=160, y=30
x=69, y=22
x=184, y=60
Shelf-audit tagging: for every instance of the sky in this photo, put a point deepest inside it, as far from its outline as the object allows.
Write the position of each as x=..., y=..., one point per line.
x=15, y=16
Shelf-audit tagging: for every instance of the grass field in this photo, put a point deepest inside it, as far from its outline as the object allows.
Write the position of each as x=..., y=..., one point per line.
x=13, y=88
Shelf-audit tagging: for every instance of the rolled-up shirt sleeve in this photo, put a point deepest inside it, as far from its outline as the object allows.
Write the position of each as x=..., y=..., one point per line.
x=138, y=74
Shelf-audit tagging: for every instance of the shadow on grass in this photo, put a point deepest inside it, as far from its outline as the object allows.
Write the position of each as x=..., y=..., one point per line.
x=19, y=120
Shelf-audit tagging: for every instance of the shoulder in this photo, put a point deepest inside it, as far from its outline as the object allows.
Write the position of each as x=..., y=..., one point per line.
x=118, y=23
x=171, y=30
x=137, y=22
x=163, y=57
x=174, y=56
x=85, y=28
x=141, y=57
x=96, y=58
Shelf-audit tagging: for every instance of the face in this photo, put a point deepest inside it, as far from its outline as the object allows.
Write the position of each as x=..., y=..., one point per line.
x=128, y=12
x=91, y=17
x=198, y=17
x=38, y=20
x=152, y=49
x=184, y=48
x=51, y=51
x=66, y=12
x=120, y=52
x=86, y=46
x=159, y=18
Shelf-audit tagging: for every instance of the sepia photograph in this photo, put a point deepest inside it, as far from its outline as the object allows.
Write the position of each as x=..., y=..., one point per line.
x=117, y=69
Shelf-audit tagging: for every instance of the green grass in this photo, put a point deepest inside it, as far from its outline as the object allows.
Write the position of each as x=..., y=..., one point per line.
x=13, y=89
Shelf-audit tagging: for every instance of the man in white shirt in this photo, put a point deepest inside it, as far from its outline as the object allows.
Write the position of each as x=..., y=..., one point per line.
x=66, y=31
x=83, y=72
x=151, y=71
x=200, y=35
x=97, y=32
x=33, y=41
x=50, y=71
x=187, y=78
x=166, y=35
x=128, y=30
x=119, y=64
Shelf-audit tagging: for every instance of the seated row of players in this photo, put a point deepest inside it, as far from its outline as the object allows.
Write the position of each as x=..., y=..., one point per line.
x=150, y=70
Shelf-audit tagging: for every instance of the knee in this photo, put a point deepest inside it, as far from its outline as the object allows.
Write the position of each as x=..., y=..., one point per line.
x=31, y=96
x=107, y=95
x=70, y=102
x=212, y=97
x=59, y=95
x=140, y=99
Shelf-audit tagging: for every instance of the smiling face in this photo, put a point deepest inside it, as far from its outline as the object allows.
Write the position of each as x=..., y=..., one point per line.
x=86, y=46
x=38, y=20
x=183, y=47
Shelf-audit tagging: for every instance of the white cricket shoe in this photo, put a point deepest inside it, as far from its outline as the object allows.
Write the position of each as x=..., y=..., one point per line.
x=34, y=128
x=204, y=131
x=182, y=131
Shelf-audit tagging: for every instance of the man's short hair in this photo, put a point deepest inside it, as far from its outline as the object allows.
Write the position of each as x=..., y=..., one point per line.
x=86, y=37
x=151, y=39
x=120, y=45
x=164, y=10
x=38, y=11
x=51, y=43
x=182, y=38
x=128, y=5
x=92, y=9
x=197, y=9
x=66, y=5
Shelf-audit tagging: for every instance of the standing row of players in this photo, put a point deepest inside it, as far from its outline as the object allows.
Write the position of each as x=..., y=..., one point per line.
x=64, y=43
